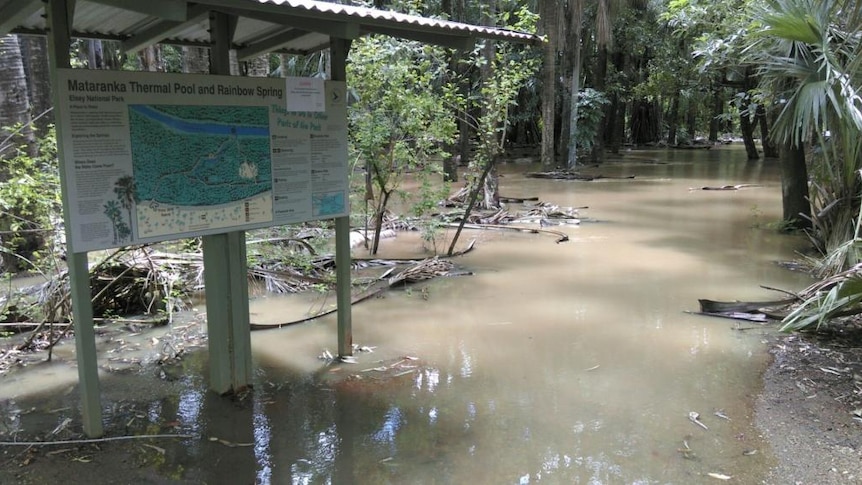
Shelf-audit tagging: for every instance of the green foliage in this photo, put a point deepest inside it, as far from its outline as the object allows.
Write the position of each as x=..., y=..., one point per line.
x=510, y=68
x=591, y=105
x=30, y=205
x=399, y=121
x=841, y=299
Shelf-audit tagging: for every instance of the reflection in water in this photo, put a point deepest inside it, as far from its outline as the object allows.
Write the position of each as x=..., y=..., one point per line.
x=262, y=439
x=553, y=363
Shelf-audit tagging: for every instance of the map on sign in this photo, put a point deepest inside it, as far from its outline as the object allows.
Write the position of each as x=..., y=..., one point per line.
x=217, y=154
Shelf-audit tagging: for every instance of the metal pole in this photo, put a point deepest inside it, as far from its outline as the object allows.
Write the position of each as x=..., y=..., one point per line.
x=225, y=267
x=59, y=16
x=339, y=48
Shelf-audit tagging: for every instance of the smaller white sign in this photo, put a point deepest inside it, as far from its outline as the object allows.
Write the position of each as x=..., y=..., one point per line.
x=305, y=94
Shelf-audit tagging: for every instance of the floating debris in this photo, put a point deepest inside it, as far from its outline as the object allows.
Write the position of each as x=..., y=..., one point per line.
x=326, y=355
x=720, y=476
x=229, y=444
x=686, y=451
x=720, y=414
x=695, y=418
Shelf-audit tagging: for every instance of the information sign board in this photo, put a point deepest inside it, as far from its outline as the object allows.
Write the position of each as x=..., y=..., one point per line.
x=151, y=156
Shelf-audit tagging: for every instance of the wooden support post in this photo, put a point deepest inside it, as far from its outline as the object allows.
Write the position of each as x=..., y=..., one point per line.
x=225, y=267
x=339, y=48
x=59, y=17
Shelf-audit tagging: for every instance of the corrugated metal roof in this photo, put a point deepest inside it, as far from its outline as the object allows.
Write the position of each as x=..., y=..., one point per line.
x=298, y=26
x=388, y=16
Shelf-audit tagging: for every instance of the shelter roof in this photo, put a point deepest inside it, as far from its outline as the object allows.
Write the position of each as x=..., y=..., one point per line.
x=287, y=26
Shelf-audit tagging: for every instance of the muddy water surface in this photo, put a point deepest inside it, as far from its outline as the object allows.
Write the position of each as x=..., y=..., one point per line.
x=553, y=363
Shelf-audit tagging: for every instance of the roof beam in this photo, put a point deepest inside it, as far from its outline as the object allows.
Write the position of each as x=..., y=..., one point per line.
x=333, y=28
x=270, y=44
x=164, y=29
x=166, y=9
x=452, y=41
x=15, y=11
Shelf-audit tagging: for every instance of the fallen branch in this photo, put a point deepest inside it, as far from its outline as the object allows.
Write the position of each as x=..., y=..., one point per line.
x=356, y=299
x=566, y=175
x=97, y=440
x=561, y=236
x=726, y=187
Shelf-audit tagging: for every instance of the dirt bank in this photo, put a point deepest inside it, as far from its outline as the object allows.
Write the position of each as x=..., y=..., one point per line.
x=809, y=409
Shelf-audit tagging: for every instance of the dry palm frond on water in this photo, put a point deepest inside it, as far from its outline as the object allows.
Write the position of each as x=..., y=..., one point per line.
x=423, y=270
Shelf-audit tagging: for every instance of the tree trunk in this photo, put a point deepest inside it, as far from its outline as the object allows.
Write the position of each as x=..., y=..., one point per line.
x=257, y=66
x=450, y=162
x=465, y=130
x=14, y=110
x=615, y=109
x=151, y=59
x=770, y=148
x=747, y=130
x=34, y=54
x=378, y=219
x=549, y=81
x=717, y=111
x=14, y=99
x=745, y=115
x=646, y=118
x=794, y=186
x=673, y=120
x=195, y=60
x=597, y=155
x=691, y=118
x=577, y=11
x=491, y=197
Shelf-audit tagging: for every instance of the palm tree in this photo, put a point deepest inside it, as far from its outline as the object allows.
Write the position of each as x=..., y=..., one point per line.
x=124, y=187
x=809, y=59
x=810, y=54
x=112, y=210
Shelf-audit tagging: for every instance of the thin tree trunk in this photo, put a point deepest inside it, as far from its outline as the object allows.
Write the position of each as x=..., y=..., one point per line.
x=450, y=161
x=474, y=194
x=691, y=118
x=378, y=219
x=770, y=148
x=34, y=54
x=794, y=186
x=14, y=98
x=597, y=155
x=673, y=120
x=717, y=111
x=195, y=60
x=14, y=110
x=491, y=197
x=257, y=66
x=616, y=110
x=549, y=81
x=747, y=130
x=577, y=10
x=745, y=125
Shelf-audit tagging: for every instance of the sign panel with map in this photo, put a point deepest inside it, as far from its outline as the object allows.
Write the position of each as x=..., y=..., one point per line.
x=151, y=157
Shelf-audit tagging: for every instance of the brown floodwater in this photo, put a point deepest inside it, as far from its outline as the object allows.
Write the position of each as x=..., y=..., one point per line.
x=576, y=362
